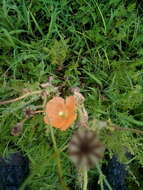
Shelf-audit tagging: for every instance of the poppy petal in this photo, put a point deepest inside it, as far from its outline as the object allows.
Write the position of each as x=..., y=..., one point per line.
x=58, y=106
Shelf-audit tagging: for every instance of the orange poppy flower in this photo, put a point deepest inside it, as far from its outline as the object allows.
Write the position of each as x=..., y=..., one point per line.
x=60, y=113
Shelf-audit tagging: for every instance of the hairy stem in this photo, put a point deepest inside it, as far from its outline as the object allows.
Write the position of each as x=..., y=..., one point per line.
x=59, y=168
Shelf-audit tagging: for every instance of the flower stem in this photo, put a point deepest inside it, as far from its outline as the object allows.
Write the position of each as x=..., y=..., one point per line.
x=85, y=178
x=59, y=168
x=53, y=138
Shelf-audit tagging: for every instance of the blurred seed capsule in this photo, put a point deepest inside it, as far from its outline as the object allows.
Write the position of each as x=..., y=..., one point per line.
x=85, y=148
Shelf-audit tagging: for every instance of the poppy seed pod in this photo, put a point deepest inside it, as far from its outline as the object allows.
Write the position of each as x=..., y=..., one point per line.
x=85, y=149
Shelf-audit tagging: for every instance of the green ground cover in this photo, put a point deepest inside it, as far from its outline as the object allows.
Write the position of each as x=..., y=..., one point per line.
x=95, y=45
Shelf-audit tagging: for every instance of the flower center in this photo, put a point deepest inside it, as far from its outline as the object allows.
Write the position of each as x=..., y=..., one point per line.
x=61, y=114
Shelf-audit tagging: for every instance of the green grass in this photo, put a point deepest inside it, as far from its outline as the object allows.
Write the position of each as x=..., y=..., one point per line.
x=94, y=45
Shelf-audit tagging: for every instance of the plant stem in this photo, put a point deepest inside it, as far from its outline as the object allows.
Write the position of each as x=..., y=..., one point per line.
x=128, y=129
x=21, y=97
x=85, y=178
x=59, y=168
x=102, y=177
x=38, y=111
x=44, y=100
x=53, y=138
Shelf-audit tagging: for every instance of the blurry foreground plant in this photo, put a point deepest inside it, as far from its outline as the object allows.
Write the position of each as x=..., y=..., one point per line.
x=85, y=148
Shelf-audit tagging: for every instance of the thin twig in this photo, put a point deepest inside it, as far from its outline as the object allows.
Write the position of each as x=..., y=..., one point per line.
x=110, y=126
x=38, y=111
x=21, y=97
x=128, y=129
